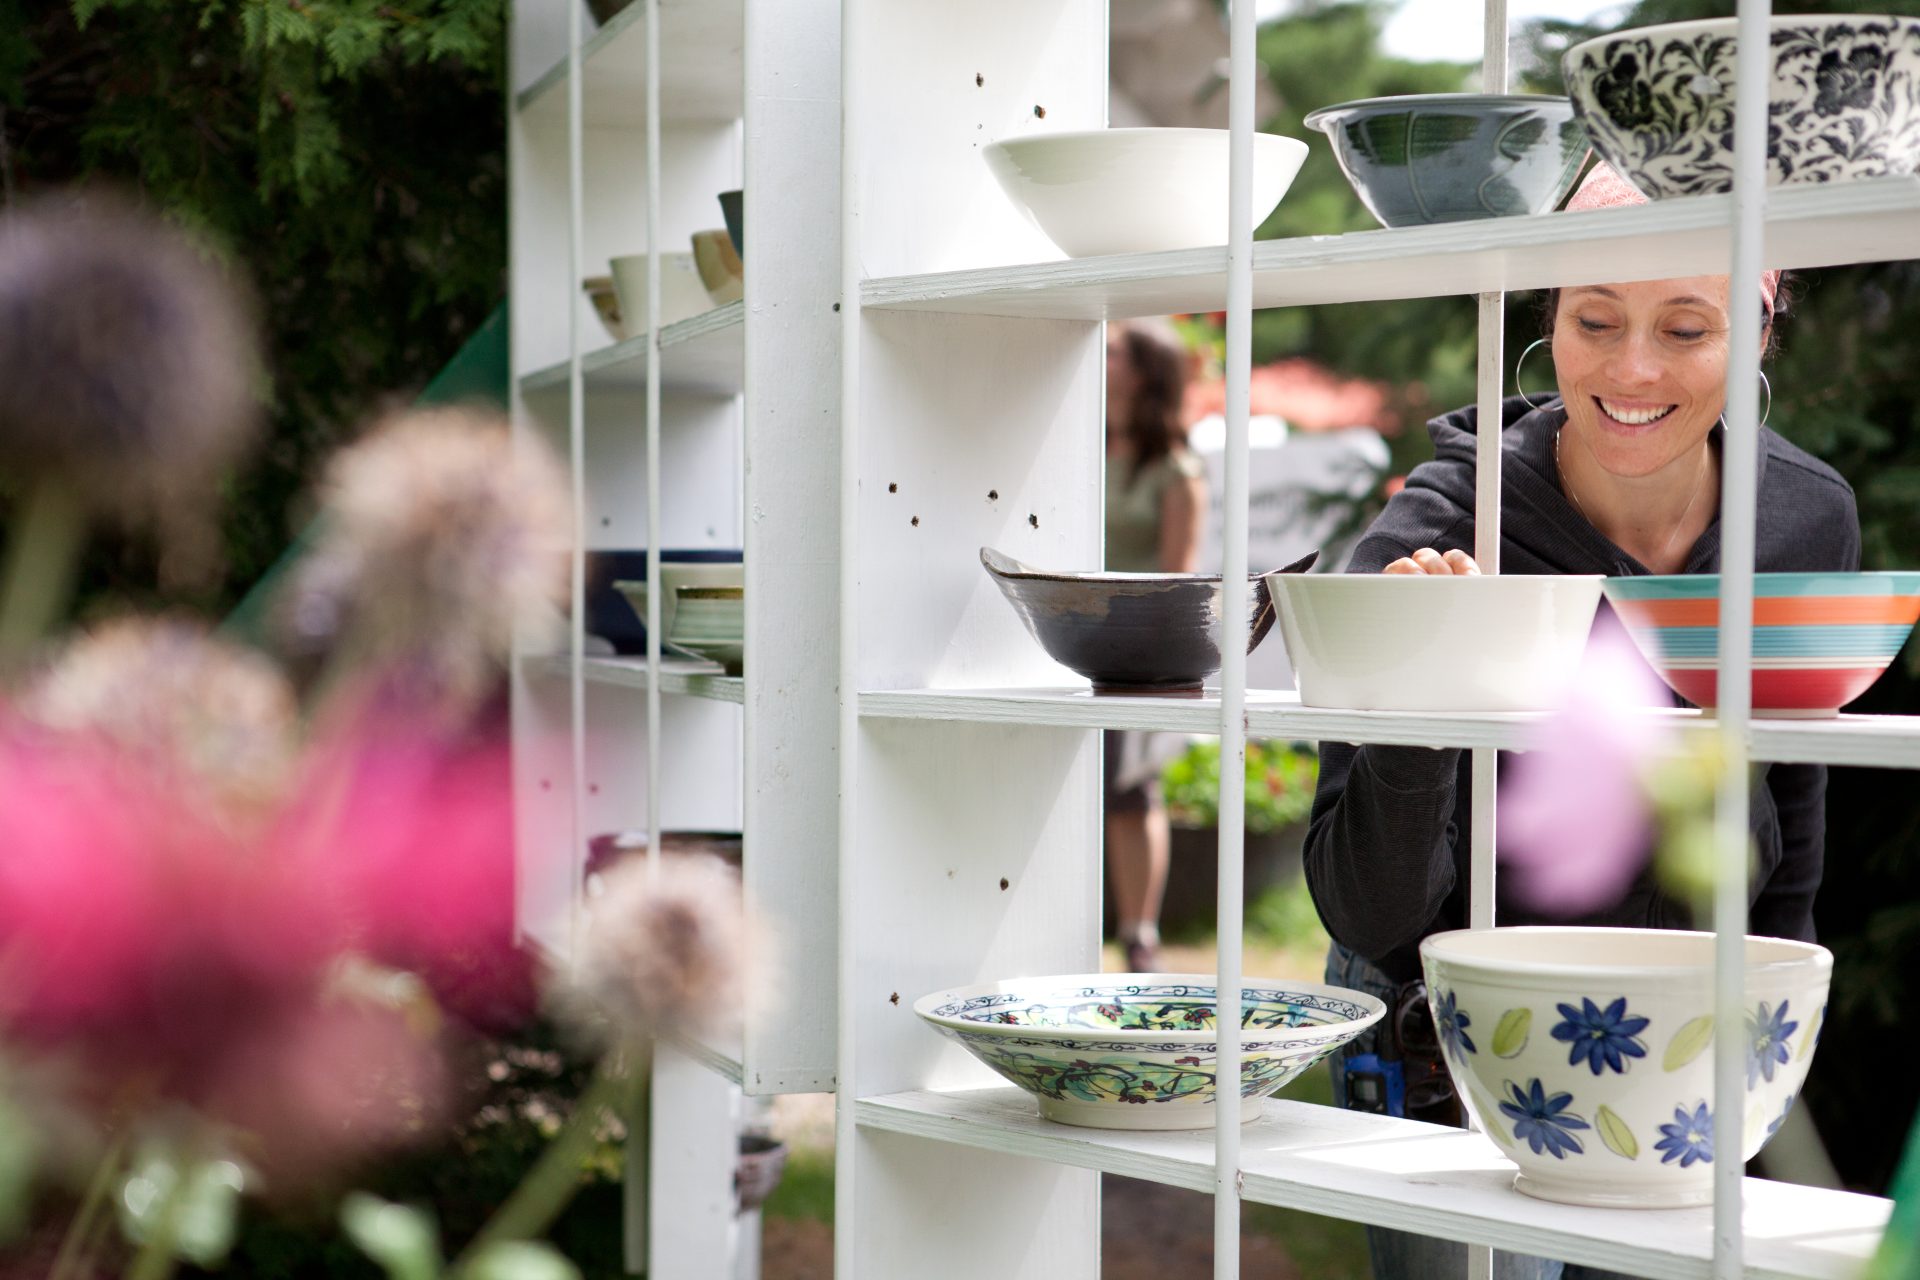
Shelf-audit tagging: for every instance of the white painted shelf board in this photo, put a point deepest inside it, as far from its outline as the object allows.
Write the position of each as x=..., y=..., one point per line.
x=1888, y=742
x=722, y=1060
x=1874, y=742
x=684, y=676
x=702, y=68
x=1815, y=226
x=1416, y=1177
x=706, y=352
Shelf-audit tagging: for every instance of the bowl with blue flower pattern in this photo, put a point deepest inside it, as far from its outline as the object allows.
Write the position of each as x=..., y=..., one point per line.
x=1138, y=1050
x=1587, y=1054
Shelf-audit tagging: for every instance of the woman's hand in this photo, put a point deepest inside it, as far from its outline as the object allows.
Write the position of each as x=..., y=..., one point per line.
x=1428, y=561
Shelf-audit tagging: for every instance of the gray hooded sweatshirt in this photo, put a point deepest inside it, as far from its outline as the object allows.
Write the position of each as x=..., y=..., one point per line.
x=1387, y=848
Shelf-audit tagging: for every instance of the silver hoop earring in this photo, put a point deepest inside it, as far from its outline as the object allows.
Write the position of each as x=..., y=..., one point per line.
x=1768, y=388
x=1521, y=364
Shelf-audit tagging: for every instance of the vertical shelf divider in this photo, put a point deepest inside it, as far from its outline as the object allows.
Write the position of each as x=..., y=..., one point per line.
x=1753, y=72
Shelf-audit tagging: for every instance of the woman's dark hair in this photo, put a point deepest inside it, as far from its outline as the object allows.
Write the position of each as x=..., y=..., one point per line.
x=1784, y=297
x=1154, y=417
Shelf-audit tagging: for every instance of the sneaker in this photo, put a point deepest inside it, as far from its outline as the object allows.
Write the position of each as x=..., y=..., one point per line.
x=1142, y=957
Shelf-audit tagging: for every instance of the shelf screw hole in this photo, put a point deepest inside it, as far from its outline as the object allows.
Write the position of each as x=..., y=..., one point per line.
x=916, y=522
x=993, y=495
x=1033, y=520
x=894, y=998
x=893, y=488
x=1003, y=882
x=978, y=80
x=1039, y=111
x=836, y=306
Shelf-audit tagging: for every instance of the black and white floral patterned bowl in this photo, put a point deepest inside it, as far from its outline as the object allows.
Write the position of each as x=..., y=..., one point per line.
x=1586, y=1054
x=1844, y=102
x=1137, y=1050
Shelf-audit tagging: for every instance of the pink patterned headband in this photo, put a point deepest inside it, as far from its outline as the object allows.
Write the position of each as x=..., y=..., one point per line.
x=1604, y=188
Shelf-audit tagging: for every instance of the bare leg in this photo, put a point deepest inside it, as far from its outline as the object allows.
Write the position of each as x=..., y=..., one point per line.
x=1137, y=855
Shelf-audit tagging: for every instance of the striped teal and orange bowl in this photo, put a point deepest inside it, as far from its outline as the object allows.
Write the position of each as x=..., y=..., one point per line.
x=1819, y=639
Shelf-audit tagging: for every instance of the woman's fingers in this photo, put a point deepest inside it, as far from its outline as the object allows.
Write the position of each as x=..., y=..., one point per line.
x=1429, y=561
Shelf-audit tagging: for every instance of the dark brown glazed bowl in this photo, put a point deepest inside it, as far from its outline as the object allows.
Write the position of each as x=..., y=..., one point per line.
x=1127, y=632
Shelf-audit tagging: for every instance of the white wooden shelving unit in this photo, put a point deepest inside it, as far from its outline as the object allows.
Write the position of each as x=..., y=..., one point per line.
x=970, y=799
x=722, y=433
x=919, y=791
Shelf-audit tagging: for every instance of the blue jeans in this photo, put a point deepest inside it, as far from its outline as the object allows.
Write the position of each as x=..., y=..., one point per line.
x=1402, y=1255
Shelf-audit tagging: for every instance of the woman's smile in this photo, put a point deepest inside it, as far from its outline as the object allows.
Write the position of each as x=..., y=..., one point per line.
x=1632, y=414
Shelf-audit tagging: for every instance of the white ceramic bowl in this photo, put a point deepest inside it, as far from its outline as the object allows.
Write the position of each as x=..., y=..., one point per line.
x=1136, y=190
x=1586, y=1053
x=1844, y=100
x=1392, y=642
x=672, y=578
x=710, y=623
x=681, y=294
x=1136, y=1050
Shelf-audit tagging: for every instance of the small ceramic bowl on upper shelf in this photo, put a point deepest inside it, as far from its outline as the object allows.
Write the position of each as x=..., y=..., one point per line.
x=1586, y=1054
x=1156, y=633
x=673, y=576
x=1138, y=1050
x=1819, y=639
x=1455, y=157
x=1843, y=100
x=1136, y=190
x=710, y=623
x=1393, y=642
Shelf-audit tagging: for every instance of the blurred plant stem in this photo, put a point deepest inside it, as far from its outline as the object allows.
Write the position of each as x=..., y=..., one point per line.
x=77, y=1245
x=544, y=1193
x=37, y=579
x=157, y=1259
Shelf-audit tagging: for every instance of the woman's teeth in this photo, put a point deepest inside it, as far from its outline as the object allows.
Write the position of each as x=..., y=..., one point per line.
x=1634, y=417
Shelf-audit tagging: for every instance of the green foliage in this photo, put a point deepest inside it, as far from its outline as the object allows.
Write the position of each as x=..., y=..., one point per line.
x=1425, y=349
x=346, y=155
x=1280, y=782
x=806, y=1187
x=1284, y=916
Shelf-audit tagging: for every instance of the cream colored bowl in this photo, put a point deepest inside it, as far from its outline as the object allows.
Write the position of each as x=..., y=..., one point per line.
x=681, y=294
x=673, y=577
x=1388, y=642
x=1136, y=190
x=1586, y=1054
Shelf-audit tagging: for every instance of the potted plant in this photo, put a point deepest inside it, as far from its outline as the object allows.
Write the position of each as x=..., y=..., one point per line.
x=1280, y=783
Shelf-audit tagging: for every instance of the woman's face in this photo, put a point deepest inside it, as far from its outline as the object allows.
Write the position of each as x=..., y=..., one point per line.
x=1642, y=368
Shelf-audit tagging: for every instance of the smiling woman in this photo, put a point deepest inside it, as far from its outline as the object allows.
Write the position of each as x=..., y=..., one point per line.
x=1620, y=475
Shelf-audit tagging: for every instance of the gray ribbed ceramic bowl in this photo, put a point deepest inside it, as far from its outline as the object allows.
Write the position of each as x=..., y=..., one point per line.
x=1127, y=632
x=1455, y=157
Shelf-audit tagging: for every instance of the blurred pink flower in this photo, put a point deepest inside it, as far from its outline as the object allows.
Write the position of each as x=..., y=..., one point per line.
x=323, y=1083
x=1575, y=822
x=132, y=921
x=415, y=831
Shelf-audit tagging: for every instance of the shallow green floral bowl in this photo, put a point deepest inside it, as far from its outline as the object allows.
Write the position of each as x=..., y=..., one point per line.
x=1137, y=1050
x=1586, y=1054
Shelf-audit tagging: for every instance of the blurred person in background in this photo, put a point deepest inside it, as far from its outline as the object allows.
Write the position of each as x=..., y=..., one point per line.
x=1156, y=504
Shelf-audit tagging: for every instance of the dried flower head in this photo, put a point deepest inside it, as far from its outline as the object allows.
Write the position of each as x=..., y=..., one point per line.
x=665, y=952
x=127, y=359
x=191, y=704
x=440, y=533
